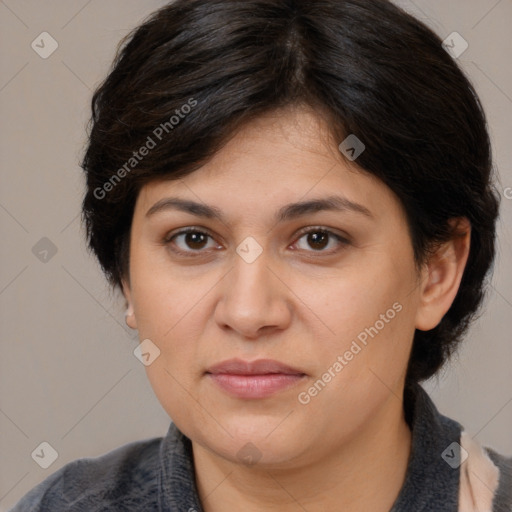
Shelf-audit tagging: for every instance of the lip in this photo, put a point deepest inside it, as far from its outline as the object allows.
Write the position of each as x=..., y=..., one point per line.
x=255, y=379
x=258, y=367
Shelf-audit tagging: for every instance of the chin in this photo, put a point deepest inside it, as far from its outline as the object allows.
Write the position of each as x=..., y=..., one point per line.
x=254, y=442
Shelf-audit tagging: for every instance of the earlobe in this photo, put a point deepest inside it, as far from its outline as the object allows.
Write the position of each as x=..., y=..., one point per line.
x=442, y=275
x=130, y=312
x=130, y=317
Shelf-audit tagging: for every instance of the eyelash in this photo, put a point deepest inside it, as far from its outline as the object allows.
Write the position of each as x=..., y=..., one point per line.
x=168, y=240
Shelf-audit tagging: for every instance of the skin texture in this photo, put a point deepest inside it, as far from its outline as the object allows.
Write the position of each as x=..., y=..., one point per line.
x=299, y=303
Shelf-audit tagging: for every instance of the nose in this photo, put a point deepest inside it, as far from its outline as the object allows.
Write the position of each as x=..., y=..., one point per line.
x=255, y=301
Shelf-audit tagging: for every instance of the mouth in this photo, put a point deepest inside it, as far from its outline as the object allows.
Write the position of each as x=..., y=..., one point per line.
x=253, y=380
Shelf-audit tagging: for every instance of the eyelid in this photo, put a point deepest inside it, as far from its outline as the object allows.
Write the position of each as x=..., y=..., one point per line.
x=342, y=240
x=167, y=240
x=324, y=229
x=189, y=229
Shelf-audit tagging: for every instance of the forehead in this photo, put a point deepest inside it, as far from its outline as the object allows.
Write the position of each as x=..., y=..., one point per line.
x=282, y=157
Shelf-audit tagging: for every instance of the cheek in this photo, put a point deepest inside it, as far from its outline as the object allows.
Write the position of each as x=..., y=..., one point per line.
x=361, y=299
x=371, y=316
x=176, y=394
x=162, y=299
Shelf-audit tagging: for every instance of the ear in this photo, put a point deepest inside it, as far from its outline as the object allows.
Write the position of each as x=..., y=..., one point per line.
x=442, y=274
x=130, y=319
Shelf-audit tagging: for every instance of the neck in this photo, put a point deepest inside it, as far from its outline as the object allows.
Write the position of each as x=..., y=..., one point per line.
x=366, y=473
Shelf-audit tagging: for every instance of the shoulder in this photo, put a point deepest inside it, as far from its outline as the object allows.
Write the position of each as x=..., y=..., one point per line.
x=485, y=478
x=123, y=479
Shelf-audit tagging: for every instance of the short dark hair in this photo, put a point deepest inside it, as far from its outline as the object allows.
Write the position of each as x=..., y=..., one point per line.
x=195, y=71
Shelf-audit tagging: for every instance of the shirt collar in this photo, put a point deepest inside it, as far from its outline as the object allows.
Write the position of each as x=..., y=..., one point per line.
x=431, y=483
x=177, y=486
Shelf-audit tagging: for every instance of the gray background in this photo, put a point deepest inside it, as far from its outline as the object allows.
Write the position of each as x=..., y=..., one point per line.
x=68, y=375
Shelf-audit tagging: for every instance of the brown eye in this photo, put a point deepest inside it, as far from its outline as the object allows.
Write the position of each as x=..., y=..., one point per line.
x=320, y=239
x=189, y=242
x=195, y=240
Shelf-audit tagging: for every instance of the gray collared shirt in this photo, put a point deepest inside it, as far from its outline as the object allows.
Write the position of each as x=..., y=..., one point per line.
x=158, y=474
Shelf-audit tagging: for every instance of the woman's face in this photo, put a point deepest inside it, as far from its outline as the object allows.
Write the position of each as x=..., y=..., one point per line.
x=327, y=292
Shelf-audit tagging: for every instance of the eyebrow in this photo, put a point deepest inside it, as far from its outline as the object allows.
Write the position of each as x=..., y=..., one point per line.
x=286, y=213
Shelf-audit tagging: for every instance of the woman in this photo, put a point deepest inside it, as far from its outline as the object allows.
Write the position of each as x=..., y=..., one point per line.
x=296, y=200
